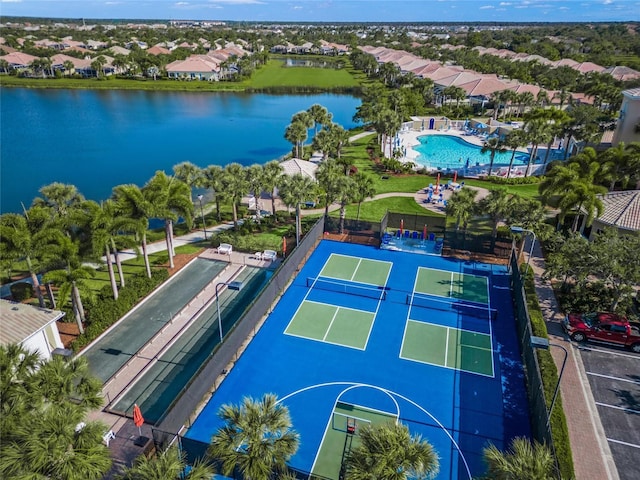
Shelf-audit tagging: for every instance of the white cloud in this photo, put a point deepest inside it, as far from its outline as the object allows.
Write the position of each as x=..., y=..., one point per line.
x=297, y=7
x=10, y=1
x=505, y=4
x=607, y=2
x=487, y=7
x=238, y=2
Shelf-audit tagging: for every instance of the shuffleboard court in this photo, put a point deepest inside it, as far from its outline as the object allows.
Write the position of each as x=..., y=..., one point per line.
x=462, y=286
x=341, y=435
x=448, y=347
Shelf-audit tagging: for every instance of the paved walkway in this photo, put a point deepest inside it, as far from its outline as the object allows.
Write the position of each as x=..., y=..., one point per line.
x=592, y=457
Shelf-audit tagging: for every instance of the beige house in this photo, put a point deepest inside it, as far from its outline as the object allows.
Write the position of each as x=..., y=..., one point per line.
x=621, y=210
x=628, y=128
x=32, y=327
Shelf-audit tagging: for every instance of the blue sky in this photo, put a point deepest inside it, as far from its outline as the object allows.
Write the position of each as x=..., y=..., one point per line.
x=335, y=10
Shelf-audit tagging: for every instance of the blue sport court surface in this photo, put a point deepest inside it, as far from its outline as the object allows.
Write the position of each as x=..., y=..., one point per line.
x=364, y=335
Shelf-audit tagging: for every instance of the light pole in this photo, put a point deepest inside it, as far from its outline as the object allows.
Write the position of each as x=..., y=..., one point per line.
x=237, y=286
x=515, y=229
x=543, y=343
x=204, y=227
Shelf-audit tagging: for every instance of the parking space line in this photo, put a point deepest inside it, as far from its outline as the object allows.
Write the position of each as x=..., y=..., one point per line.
x=623, y=443
x=609, y=352
x=628, y=410
x=610, y=377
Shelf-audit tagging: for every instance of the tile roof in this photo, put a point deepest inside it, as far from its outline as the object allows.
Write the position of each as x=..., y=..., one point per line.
x=20, y=321
x=19, y=58
x=622, y=73
x=622, y=209
x=296, y=165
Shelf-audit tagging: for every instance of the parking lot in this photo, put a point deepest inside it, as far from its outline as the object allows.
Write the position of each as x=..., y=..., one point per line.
x=614, y=377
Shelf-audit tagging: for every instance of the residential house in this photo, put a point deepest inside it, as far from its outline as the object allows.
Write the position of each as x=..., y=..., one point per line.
x=32, y=327
x=196, y=67
x=621, y=211
x=628, y=127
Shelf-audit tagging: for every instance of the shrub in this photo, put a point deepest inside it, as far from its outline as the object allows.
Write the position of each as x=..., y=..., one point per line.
x=513, y=180
x=21, y=291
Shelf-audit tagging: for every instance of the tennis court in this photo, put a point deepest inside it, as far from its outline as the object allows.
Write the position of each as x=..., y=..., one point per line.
x=364, y=335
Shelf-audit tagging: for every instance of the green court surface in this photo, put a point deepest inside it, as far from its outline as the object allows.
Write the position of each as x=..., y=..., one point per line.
x=356, y=269
x=441, y=283
x=336, y=441
x=332, y=324
x=448, y=347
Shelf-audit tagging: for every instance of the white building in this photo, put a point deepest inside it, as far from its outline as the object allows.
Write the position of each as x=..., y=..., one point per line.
x=628, y=128
x=32, y=327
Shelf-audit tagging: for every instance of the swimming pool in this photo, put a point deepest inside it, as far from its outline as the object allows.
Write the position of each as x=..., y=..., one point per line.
x=448, y=151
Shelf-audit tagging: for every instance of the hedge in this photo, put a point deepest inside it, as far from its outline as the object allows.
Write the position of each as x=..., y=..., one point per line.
x=559, y=430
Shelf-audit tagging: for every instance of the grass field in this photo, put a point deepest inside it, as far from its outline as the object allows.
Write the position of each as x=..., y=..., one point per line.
x=275, y=74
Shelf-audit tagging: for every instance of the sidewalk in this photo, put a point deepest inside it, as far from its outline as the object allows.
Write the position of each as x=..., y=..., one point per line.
x=592, y=458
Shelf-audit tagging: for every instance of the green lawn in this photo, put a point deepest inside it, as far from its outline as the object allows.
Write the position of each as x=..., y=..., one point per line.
x=374, y=210
x=275, y=74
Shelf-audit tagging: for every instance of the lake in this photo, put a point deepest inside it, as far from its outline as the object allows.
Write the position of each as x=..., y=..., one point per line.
x=97, y=139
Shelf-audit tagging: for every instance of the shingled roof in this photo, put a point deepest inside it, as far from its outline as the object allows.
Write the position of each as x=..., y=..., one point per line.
x=622, y=210
x=21, y=321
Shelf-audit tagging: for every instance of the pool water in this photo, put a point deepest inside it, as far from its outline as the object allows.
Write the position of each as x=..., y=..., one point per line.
x=447, y=151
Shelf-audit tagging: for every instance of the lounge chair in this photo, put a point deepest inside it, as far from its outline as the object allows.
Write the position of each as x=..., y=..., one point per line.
x=432, y=237
x=414, y=235
x=269, y=255
x=407, y=233
x=225, y=248
x=257, y=255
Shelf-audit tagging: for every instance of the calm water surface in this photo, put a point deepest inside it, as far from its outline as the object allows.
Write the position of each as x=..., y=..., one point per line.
x=96, y=139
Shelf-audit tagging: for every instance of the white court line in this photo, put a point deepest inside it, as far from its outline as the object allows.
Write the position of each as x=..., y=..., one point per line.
x=335, y=314
x=451, y=285
x=446, y=349
x=634, y=445
x=628, y=410
x=353, y=275
x=610, y=377
x=392, y=395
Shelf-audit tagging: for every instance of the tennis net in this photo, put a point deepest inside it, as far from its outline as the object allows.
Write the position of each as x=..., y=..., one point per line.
x=464, y=308
x=349, y=288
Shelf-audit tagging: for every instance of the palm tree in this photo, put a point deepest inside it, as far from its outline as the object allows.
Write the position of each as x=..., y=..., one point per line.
x=135, y=204
x=319, y=115
x=296, y=133
x=621, y=163
x=272, y=177
x=212, y=179
x=68, y=66
x=538, y=131
x=44, y=426
x=390, y=452
x=346, y=194
x=493, y=145
x=106, y=228
x=29, y=237
x=171, y=199
x=327, y=174
x=97, y=65
x=255, y=180
x=190, y=174
x=522, y=461
x=257, y=438
x=62, y=200
x=339, y=138
x=169, y=465
x=235, y=186
x=461, y=206
x=498, y=206
x=295, y=190
x=515, y=140
x=364, y=188
x=71, y=280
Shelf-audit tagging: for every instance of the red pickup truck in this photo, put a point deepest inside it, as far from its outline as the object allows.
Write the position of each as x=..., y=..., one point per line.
x=602, y=327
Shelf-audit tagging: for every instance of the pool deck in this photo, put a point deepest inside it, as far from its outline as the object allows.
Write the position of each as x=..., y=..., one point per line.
x=126, y=445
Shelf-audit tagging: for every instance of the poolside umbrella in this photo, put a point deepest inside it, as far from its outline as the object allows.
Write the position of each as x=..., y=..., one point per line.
x=284, y=245
x=455, y=176
x=138, y=419
x=424, y=232
x=437, y=183
x=401, y=225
